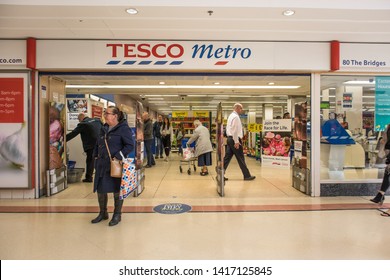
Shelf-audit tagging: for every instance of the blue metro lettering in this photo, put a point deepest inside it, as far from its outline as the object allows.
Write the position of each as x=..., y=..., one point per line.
x=228, y=52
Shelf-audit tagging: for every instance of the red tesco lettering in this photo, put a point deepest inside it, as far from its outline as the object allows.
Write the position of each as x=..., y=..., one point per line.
x=146, y=50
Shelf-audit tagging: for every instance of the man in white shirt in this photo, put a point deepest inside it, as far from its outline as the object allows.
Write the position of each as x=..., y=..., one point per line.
x=234, y=142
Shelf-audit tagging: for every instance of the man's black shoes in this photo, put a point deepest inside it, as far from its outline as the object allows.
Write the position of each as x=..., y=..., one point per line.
x=250, y=178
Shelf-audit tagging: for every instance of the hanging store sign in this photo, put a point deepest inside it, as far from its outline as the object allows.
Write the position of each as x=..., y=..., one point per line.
x=200, y=114
x=255, y=127
x=179, y=114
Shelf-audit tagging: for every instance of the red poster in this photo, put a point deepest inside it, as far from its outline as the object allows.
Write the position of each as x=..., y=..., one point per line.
x=11, y=100
x=97, y=111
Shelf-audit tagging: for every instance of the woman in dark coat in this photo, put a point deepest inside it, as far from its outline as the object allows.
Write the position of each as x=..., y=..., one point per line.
x=119, y=139
x=385, y=146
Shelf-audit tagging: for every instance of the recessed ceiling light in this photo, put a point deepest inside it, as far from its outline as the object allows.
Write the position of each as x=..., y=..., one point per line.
x=217, y=83
x=271, y=83
x=288, y=13
x=131, y=11
x=161, y=83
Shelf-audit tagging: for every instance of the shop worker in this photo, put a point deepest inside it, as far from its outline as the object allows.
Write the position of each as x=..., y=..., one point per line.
x=89, y=129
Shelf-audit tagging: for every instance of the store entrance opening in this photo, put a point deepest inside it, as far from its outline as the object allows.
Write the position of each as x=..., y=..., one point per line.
x=275, y=139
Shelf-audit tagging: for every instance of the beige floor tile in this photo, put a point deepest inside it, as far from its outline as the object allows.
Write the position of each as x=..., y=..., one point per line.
x=342, y=234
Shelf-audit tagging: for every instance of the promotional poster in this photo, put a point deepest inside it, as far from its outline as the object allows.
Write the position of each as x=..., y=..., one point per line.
x=14, y=126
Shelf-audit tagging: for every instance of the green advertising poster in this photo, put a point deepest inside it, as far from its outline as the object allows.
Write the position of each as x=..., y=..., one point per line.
x=382, y=103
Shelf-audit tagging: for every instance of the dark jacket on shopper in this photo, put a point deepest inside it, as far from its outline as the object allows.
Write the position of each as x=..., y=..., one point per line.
x=89, y=130
x=119, y=138
x=157, y=129
x=387, y=143
x=148, y=129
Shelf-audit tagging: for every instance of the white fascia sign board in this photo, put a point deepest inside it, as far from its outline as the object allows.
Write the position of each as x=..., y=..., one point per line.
x=182, y=55
x=364, y=57
x=12, y=54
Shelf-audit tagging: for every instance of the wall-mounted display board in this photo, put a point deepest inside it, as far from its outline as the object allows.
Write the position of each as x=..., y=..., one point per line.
x=15, y=147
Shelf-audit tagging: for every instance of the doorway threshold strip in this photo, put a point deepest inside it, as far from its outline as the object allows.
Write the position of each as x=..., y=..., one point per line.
x=198, y=208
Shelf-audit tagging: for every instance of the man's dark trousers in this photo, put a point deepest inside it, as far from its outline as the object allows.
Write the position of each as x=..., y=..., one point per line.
x=239, y=154
x=90, y=162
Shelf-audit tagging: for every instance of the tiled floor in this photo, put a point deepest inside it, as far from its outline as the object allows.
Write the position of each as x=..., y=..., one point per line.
x=261, y=219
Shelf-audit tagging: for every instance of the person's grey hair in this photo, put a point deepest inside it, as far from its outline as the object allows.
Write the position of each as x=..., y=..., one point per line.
x=81, y=116
x=197, y=122
x=237, y=105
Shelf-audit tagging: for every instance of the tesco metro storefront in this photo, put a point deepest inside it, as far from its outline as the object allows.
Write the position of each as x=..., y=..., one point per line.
x=26, y=59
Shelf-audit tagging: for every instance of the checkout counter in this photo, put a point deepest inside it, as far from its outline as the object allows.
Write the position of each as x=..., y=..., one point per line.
x=339, y=150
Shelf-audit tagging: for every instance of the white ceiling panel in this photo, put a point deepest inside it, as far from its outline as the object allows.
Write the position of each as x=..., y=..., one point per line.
x=230, y=20
x=348, y=21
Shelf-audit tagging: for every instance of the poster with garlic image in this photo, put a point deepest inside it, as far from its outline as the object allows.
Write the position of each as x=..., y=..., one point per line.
x=14, y=144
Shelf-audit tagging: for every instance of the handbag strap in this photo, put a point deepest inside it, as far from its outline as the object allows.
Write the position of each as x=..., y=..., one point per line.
x=108, y=150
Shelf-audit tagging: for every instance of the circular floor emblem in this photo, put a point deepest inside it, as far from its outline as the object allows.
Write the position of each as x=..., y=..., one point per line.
x=172, y=208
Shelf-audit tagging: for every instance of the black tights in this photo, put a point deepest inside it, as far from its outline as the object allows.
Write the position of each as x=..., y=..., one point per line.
x=167, y=143
x=385, y=181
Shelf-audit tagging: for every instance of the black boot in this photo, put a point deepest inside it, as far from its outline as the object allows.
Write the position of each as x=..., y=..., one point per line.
x=379, y=198
x=103, y=214
x=116, y=218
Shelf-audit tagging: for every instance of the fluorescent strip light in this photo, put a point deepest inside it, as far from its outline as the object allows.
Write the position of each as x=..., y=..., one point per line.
x=163, y=95
x=204, y=107
x=177, y=87
x=359, y=83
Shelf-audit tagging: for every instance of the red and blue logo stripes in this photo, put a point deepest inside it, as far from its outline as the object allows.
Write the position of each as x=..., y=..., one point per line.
x=144, y=62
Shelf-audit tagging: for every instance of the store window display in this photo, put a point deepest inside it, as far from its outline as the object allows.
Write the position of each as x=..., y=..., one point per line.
x=353, y=106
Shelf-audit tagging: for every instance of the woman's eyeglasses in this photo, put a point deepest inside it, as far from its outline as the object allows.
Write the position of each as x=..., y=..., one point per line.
x=108, y=113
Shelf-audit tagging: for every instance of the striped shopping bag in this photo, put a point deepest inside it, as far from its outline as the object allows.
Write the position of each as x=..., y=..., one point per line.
x=129, y=178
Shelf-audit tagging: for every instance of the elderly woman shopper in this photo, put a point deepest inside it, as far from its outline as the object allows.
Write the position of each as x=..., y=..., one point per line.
x=203, y=147
x=117, y=137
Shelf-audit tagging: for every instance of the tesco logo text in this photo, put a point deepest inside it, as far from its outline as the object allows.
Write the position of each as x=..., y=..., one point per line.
x=146, y=50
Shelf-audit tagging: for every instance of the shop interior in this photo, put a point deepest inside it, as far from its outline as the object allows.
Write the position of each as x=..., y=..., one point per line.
x=352, y=103
x=349, y=100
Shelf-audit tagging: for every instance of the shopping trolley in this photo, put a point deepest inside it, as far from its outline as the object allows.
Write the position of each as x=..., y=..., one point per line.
x=190, y=162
